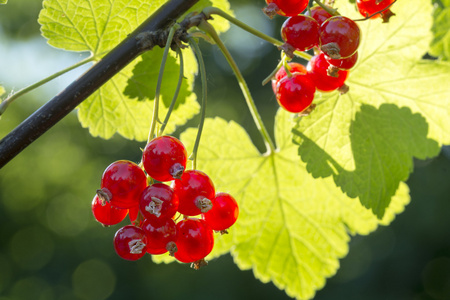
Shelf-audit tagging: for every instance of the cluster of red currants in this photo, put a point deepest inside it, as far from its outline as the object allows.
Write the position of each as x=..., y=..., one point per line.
x=335, y=39
x=155, y=208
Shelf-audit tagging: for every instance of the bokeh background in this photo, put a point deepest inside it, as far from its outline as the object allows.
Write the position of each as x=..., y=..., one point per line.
x=51, y=248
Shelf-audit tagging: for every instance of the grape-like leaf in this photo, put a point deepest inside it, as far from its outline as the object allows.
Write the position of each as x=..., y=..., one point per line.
x=292, y=228
x=440, y=46
x=398, y=107
x=98, y=26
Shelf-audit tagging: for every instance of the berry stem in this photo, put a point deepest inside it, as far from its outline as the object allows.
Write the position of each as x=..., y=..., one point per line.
x=202, y=69
x=5, y=103
x=155, y=117
x=272, y=74
x=208, y=11
x=177, y=92
x=331, y=11
x=270, y=148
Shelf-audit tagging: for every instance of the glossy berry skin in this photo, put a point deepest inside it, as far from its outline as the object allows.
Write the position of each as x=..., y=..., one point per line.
x=158, y=201
x=289, y=8
x=193, y=189
x=344, y=63
x=340, y=37
x=295, y=93
x=319, y=14
x=159, y=233
x=281, y=73
x=123, y=181
x=224, y=212
x=130, y=242
x=317, y=70
x=106, y=214
x=195, y=240
x=301, y=32
x=164, y=158
x=370, y=7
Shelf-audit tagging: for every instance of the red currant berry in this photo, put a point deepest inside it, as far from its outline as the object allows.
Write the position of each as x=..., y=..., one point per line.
x=161, y=235
x=281, y=73
x=340, y=37
x=344, y=63
x=130, y=242
x=287, y=8
x=195, y=191
x=158, y=201
x=295, y=93
x=107, y=214
x=317, y=70
x=224, y=212
x=164, y=158
x=370, y=7
x=195, y=240
x=122, y=184
x=319, y=14
x=300, y=33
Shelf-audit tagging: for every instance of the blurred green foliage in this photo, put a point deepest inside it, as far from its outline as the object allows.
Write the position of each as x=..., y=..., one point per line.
x=51, y=248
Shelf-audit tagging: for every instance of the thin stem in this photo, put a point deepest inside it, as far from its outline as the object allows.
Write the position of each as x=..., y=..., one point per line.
x=177, y=92
x=202, y=69
x=208, y=11
x=155, y=117
x=328, y=9
x=5, y=103
x=274, y=72
x=270, y=148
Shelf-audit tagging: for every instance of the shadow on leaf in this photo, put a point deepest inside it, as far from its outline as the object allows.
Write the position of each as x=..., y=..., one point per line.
x=383, y=143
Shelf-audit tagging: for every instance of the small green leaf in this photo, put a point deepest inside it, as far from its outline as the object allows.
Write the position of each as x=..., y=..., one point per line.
x=3, y=1
x=145, y=75
x=292, y=228
x=440, y=46
x=398, y=107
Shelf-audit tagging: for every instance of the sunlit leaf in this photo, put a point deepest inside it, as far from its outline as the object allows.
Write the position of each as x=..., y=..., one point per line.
x=398, y=107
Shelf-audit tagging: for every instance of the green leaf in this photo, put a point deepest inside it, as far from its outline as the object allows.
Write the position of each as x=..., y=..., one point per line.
x=440, y=46
x=145, y=75
x=2, y=90
x=97, y=26
x=292, y=229
x=398, y=107
x=3, y=1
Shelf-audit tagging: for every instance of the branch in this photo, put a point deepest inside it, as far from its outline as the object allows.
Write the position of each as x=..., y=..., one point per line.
x=63, y=103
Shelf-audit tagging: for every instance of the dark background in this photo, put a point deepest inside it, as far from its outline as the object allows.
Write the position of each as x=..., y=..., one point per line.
x=51, y=248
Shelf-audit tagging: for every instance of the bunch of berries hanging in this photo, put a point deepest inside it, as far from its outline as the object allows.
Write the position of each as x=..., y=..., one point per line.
x=154, y=209
x=335, y=40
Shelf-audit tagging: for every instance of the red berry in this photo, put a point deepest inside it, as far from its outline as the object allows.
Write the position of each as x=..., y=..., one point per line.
x=340, y=37
x=224, y=212
x=164, y=158
x=161, y=235
x=133, y=213
x=195, y=191
x=195, y=240
x=107, y=214
x=300, y=32
x=319, y=14
x=370, y=7
x=287, y=8
x=281, y=73
x=344, y=63
x=158, y=201
x=295, y=93
x=130, y=242
x=317, y=71
x=123, y=182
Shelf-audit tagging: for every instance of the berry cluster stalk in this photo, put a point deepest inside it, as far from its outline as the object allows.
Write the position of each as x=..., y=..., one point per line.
x=177, y=92
x=155, y=117
x=206, y=27
x=201, y=64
